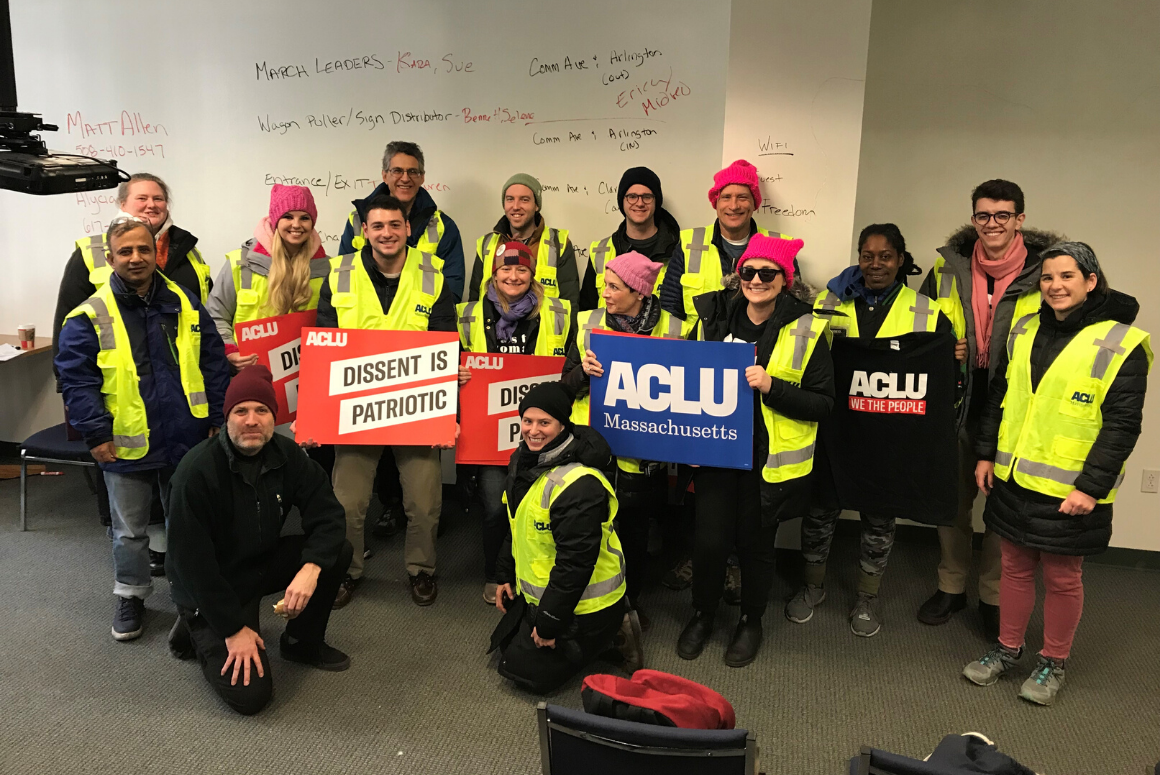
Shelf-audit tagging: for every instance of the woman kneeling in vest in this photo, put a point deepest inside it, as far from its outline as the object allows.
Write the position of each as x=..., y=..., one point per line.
x=513, y=317
x=561, y=569
x=793, y=388
x=278, y=271
x=1063, y=415
x=868, y=300
x=641, y=486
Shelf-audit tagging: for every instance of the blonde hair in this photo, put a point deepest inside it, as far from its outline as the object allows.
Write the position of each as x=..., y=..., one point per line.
x=536, y=290
x=289, y=278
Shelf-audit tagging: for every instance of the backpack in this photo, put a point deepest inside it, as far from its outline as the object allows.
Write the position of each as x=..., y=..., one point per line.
x=653, y=697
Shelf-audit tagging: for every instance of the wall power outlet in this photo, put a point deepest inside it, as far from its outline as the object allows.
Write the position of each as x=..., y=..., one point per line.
x=1151, y=481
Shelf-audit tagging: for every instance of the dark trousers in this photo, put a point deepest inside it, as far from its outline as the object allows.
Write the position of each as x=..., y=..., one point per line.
x=308, y=628
x=728, y=516
x=640, y=498
x=495, y=522
x=542, y=670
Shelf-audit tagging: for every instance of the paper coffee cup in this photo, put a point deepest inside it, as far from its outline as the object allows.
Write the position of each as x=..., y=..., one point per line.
x=27, y=336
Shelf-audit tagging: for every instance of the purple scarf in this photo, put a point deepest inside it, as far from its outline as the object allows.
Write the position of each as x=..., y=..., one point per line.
x=506, y=325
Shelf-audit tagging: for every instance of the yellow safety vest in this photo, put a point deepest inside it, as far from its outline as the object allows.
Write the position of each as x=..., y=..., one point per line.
x=427, y=243
x=548, y=257
x=702, y=268
x=603, y=251
x=93, y=253
x=357, y=304
x=121, y=387
x=668, y=327
x=534, y=548
x=1047, y=433
x=791, y=442
x=910, y=313
x=555, y=322
x=951, y=303
x=253, y=289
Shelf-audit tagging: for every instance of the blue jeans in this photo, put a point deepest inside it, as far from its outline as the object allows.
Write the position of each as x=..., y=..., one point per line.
x=130, y=504
x=495, y=524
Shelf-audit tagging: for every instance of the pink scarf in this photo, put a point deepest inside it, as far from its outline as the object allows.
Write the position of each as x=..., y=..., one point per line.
x=264, y=234
x=1004, y=271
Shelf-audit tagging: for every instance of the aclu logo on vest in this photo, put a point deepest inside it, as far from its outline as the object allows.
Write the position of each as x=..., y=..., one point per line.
x=674, y=401
x=1083, y=398
x=888, y=393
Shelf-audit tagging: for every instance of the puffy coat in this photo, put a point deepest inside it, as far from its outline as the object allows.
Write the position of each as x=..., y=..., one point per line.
x=152, y=327
x=1030, y=518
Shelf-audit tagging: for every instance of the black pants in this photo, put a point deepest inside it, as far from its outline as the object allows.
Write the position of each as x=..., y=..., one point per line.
x=542, y=670
x=308, y=628
x=728, y=516
x=641, y=497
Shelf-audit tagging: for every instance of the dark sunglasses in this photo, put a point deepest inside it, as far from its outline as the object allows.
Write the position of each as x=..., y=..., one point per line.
x=766, y=273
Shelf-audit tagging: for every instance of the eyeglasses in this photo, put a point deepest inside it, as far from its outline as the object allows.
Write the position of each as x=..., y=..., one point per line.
x=398, y=172
x=120, y=219
x=632, y=199
x=982, y=219
x=766, y=273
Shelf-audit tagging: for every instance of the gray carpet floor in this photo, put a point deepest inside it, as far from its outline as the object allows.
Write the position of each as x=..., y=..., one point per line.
x=422, y=697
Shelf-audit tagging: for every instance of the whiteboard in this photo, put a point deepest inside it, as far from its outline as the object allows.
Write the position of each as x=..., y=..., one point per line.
x=222, y=99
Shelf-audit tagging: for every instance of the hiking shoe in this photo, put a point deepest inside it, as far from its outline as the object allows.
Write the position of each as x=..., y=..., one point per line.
x=489, y=589
x=128, y=618
x=680, y=576
x=864, y=621
x=987, y=669
x=732, y=594
x=1045, y=681
x=628, y=643
x=800, y=609
x=322, y=656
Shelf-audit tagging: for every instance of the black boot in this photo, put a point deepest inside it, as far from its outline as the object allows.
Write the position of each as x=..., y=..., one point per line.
x=693, y=638
x=990, y=614
x=745, y=644
x=180, y=641
x=940, y=607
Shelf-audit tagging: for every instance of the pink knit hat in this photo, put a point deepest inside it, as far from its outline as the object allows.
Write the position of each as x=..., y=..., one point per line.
x=779, y=251
x=284, y=199
x=636, y=270
x=740, y=173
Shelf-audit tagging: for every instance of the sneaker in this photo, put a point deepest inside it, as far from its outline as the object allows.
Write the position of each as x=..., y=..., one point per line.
x=800, y=609
x=680, y=576
x=628, y=643
x=864, y=621
x=323, y=657
x=128, y=618
x=489, y=589
x=1045, y=681
x=987, y=669
x=345, y=592
x=732, y=594
x=156, y=563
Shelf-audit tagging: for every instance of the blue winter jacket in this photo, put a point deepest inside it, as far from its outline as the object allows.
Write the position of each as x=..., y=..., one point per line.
x=450, y=247
x=152, y=327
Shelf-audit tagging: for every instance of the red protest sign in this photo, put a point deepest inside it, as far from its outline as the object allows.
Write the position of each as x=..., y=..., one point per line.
x=490, y=424
x=377, y=387
x=277, y=341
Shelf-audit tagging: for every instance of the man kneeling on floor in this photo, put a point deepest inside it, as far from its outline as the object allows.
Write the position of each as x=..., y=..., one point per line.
x=562, y=554
x=227, y=505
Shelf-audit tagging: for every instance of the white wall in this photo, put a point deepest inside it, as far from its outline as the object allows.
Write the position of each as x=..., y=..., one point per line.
x=1062, y=98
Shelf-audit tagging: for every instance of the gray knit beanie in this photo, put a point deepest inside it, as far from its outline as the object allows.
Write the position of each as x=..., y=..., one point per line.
x=524, y=179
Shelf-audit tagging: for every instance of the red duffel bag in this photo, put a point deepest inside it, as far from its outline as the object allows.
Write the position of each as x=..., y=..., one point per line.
x=653, y=697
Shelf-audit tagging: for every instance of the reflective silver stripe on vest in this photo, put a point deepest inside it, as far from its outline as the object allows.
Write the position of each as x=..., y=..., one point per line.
x=790, y=457
x=247, y=274
x=674, y=329
x=599, y=255
x=97, y=250
x=830, y=302
x=197, y=399
x=104, y=323
x=802, y=333
x=945, y=283
x=595, y=321
x=921, y=310
x=1109, y=348
x=466, y=320
x=345, y=267
x=555, y=479
x=1020, y=327
x=592, y=591
x=1003, y=458
x=130, y=442
x=433, y=230
x=553, y=248
x=1045, y=471
x=696, y=247
x=427, y=267
x=556, y=307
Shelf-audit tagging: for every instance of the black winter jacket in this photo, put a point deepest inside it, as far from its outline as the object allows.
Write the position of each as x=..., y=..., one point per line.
x=526, y=333
x=442, y=312
x=75, y=287
x=576, y=519
x=668, y=234
x=222, y=529
x=1030, y=518
x=812, y=401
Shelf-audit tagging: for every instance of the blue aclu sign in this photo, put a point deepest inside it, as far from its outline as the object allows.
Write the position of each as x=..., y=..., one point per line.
x=674, y=401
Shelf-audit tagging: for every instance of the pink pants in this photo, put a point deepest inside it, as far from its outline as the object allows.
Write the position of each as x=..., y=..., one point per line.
x=1062, y=606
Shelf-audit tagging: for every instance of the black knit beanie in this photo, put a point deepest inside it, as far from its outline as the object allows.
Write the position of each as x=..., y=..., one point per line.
x=645, y=177
x=551, y=397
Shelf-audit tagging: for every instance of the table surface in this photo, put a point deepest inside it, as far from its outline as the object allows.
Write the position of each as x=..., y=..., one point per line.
x=43, y=343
